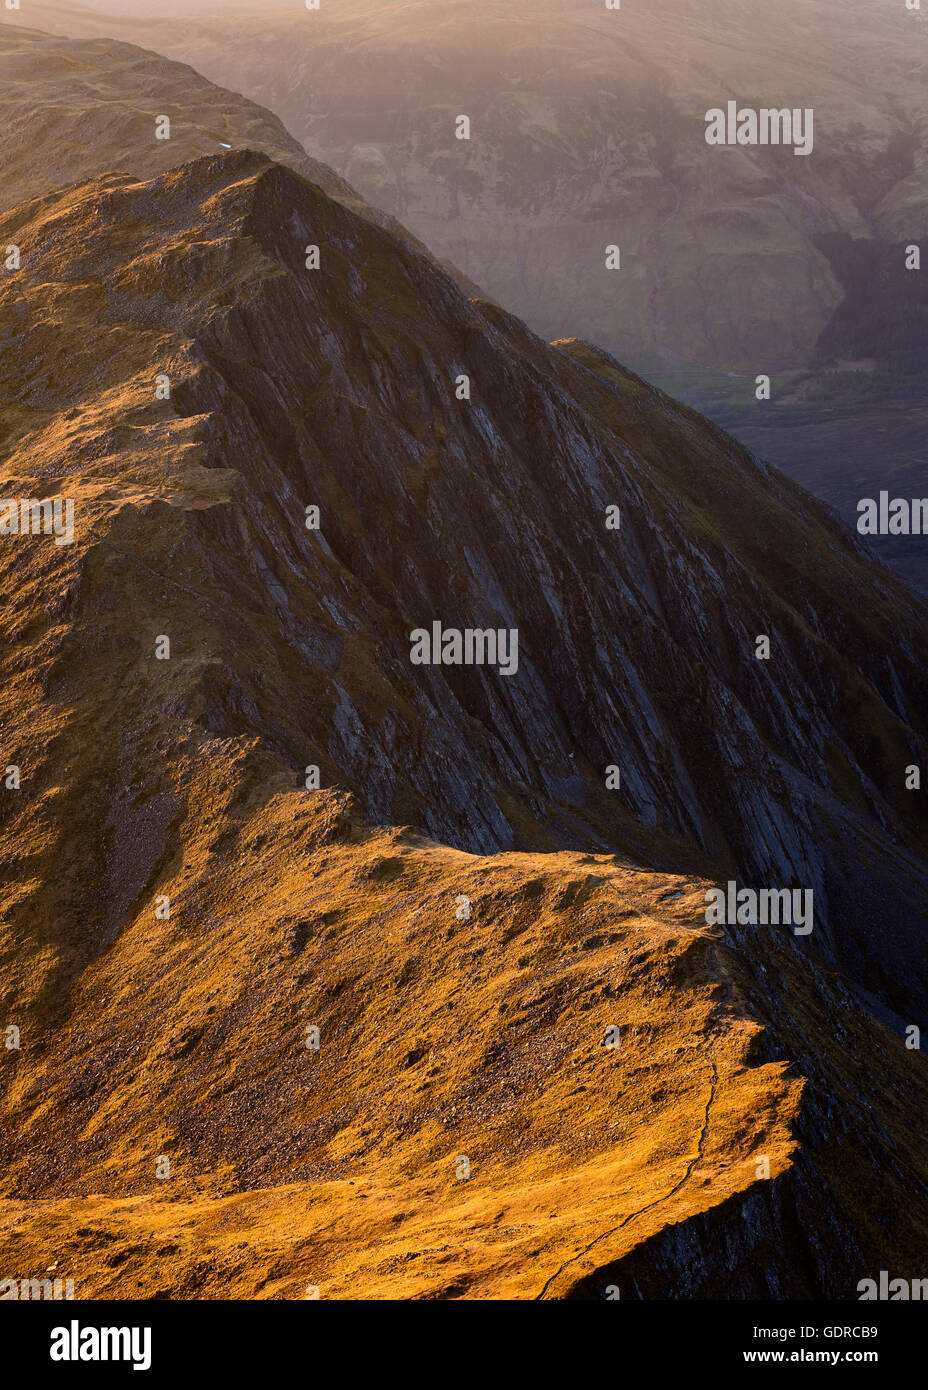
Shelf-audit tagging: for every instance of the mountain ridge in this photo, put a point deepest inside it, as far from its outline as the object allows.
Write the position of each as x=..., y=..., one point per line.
x=702, y=494
x=468, y=924
x=588, y=133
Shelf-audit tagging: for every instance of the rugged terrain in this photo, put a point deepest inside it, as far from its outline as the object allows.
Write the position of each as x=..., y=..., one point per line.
x=588, y=130
x=446, y=791
x=339, y=1170
x=292, y=387
x=71, y=110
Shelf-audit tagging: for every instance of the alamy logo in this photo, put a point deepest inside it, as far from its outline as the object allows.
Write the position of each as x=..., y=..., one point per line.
x=893, y=1290
x=767, y=126
x=747, y=907
x=48, y=516
x=473, y=646
x=35, y=1290
x=76, y=1343
x=899, y=517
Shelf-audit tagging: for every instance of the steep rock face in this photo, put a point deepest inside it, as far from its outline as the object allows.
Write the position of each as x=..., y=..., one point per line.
x=588, y=131
x=464, y=1000
x=335, y=387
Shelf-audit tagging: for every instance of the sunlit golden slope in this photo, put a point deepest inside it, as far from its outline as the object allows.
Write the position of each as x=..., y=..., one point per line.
x=440, y=1036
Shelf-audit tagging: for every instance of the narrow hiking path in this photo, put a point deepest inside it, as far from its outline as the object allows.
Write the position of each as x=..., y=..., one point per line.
x=649, y=1206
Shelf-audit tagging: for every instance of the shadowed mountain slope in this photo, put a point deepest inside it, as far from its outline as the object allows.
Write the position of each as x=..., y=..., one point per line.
x=441, y=1033
x=336, y=387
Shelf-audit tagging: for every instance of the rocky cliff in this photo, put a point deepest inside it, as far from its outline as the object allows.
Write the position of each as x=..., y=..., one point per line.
x=195, y=360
